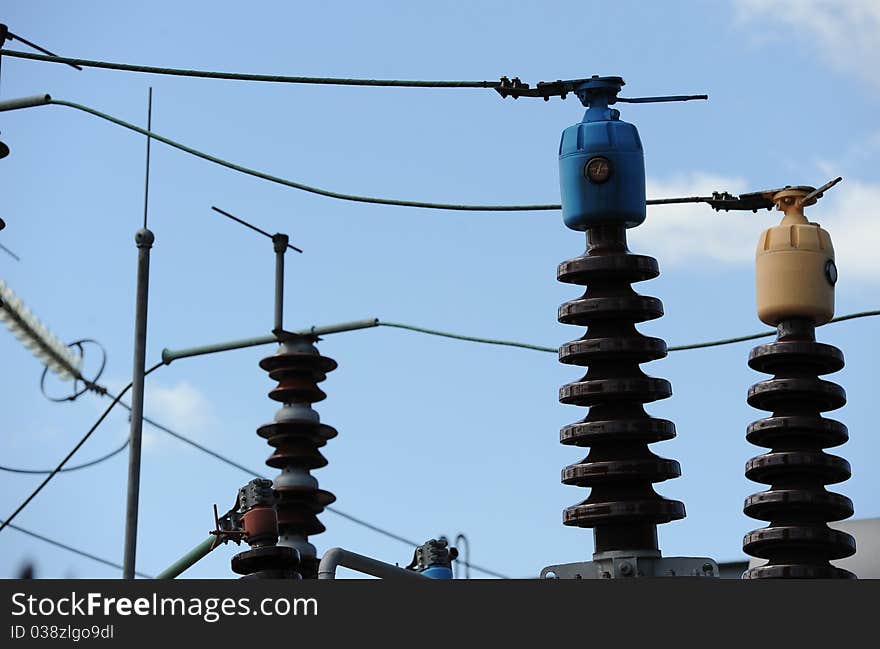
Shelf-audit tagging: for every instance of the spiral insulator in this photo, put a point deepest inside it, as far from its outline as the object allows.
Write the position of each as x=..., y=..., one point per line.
x=798, y=542
x=622, y=508
x=296, y=435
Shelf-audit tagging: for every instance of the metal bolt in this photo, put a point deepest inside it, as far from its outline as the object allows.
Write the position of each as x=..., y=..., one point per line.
x=707, y=567
x=626, y=569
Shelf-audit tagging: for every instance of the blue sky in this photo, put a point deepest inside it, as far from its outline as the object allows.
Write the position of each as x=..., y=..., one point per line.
x=436, y=436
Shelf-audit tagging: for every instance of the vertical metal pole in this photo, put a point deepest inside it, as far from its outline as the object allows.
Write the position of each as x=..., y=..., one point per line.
x=144, y=239
x=280, y=242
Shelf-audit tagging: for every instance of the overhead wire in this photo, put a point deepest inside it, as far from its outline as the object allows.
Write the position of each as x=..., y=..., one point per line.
x=67, y=469
x=554, y=350
x=72, y=451
x=239, y=76
x=423, y=330
x=118, y=401
x=298, y=185
x=47, y=99
x=70, y=548
x=392, y=535
x=257, y=474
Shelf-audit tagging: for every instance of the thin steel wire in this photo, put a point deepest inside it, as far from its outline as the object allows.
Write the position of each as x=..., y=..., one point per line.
x=239, y=76
x=70, y=548
x=72, y=452
x=149, y=139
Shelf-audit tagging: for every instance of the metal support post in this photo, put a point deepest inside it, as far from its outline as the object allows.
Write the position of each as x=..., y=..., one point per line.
x=144, y=239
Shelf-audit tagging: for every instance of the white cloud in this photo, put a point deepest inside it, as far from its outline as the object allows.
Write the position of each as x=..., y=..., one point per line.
x=844, y=32
x=182, y=407
x=694, y=234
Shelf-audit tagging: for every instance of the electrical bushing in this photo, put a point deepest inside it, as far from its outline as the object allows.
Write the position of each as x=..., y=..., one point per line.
x=433, y=559
x=795, y=293
x=601, y=162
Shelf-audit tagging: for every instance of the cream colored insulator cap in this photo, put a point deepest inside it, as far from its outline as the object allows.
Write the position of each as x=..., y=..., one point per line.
x=795, y=265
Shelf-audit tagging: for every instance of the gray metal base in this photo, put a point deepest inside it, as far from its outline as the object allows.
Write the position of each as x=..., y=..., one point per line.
x=622, y=565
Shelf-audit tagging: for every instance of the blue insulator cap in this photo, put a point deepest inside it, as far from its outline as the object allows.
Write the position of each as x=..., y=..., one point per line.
x=601, y=163
x=437, y=572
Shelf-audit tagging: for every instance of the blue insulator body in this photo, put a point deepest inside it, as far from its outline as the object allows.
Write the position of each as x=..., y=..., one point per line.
x=615, y=195
x=437, y=572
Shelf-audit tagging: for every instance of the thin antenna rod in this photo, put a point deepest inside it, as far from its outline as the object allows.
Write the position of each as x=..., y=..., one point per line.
x=149, y=139
x=250, y=225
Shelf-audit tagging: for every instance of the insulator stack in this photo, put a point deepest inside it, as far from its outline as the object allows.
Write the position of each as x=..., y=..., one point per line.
x=622, y=508
x=296, y=435
x=798, y=542
x=259, y=522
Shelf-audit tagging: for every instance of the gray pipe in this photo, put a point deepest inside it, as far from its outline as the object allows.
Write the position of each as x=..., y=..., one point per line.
x=279, y=242
x=144, y=239
x=25, y=102
x=335, y=557
x=169, y=355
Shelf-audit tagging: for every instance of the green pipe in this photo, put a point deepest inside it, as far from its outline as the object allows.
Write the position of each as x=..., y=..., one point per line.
x=169, y=355
x=190, y=558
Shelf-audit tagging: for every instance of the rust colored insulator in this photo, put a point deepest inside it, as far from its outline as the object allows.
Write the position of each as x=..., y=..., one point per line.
x=797, y=543
x=256, y=516
x=623, y=509
x=265, y=559
x=296, y=434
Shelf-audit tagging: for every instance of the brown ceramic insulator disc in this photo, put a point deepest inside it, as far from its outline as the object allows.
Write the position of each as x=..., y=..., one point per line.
x=595, y=514
x=299, y=519
x=589, y=350
x=591, y=474
x=589, y=433
x=292, y=451
x=269, y=558
x=297, y=388
x=626, y=268
x=588, y=309
x=312, y=363
x=786, y=466
x=315, y=431
x=812, y=394
x=643, y=389
x=796, y=357
x=819, y=540
x=798, y=571
x=793, y=430
x=807, y=504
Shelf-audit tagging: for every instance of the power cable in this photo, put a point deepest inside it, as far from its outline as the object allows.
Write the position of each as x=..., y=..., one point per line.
x=554, y=350
x=257, y=474
x=238, y=76
x=297, y=185
x=9, y=252
x=70, y=548
x=77, y=467
x=218, y=456
x=424, y=330
x=46, y=99
x=725, y=341
x=473, y=339
x=739, y=339
x=72, y=451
